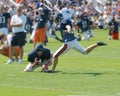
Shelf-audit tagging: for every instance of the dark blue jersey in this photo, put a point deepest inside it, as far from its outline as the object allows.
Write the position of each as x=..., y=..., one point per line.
x=83, y=23
x=28, y=24
x=46, y=54
x=4, y=19
x=67, y=36
x=33, y=54
x=47, y=13
x=41, y=19
x=116, y=26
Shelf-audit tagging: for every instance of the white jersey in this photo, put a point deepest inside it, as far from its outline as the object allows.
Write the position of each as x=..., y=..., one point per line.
x=18, y=20
x=67, y=13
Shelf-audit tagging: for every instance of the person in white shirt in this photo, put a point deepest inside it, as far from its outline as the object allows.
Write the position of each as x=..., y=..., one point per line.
x=17, y=23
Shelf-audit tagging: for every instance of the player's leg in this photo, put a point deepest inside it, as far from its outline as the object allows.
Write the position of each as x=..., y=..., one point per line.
x=91, y=33
x=85, y=35
x=63, y=49
x=87, y=50
x=4, y=52
x=16, y=53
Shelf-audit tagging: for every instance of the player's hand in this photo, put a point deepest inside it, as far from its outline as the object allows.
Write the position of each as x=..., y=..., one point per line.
x=36, y=60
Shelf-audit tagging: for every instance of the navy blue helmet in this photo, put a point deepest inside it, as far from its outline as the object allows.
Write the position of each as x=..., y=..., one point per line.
x=39, y=47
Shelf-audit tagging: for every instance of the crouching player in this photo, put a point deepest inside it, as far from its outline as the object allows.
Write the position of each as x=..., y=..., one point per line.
x=5, y=43
x=39, y=57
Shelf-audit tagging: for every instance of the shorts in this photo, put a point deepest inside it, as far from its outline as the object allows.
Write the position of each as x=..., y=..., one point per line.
x=18, y=39
x=40, y=35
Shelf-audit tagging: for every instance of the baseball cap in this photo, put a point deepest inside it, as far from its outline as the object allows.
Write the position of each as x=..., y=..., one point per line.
x=40, y=9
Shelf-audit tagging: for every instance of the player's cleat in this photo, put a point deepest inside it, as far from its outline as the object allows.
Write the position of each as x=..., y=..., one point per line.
x=101, y=43
x=19, y=61
x=9, y=61
x=47, y=71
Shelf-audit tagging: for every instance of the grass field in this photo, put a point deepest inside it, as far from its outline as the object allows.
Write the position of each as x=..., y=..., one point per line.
x=95, y=74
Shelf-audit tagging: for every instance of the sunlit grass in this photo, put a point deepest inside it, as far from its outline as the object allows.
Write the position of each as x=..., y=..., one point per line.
x=95, y=74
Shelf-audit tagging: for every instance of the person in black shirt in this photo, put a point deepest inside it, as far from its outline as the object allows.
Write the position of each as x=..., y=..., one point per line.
x=40, y=33
x=114, y=29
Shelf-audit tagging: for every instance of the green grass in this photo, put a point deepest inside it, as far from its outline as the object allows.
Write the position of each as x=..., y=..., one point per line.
x=95, y=74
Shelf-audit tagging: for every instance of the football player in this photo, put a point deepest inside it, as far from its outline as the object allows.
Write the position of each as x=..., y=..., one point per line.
x=70, y=42
x=4, y=21
x=39, y=57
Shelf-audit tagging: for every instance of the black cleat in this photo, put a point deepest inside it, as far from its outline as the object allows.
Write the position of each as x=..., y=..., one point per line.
x=47, y=71
x=31, y=41
x=101, y=43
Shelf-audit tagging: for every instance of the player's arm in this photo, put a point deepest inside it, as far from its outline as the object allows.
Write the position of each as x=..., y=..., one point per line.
x=31, y=65
x=36, y=61
x=15, y=24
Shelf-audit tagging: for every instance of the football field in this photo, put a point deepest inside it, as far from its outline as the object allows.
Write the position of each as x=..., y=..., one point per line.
x=95, y=74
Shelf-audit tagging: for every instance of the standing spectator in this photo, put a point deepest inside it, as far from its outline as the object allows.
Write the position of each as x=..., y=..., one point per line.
x=70, y=42
x=40, y=33
x=17, y=23
x=101, y=21
x=114, y=29
x=4, y=21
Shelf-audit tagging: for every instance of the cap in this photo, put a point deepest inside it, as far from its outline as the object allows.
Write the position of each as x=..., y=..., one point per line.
x=39, y=47
x=37, y=5
x=40, y=9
